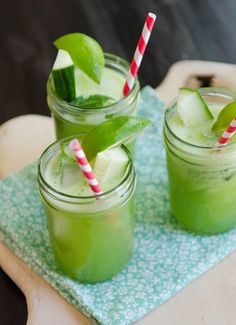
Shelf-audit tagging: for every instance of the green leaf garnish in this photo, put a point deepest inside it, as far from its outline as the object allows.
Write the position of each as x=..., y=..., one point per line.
x=93, y=101
x=64, y=157
x=85, y=52
x=113, y=132
x=224, y=118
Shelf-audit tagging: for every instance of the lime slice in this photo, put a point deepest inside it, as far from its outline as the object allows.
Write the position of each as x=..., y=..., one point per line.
x=85, y=52
x=117, y=130
x=225, y=117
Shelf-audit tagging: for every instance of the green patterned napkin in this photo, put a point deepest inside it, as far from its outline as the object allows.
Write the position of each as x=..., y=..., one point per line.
x=165, y=258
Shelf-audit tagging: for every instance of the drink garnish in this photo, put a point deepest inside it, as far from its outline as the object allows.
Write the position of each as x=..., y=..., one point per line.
x=64, y=157
x=110, y=165
x=192, y=108
x=63, y=76
x=113, y=132
x=224, y=118
x=102, y=148
x=85, y=52
x=93, y=101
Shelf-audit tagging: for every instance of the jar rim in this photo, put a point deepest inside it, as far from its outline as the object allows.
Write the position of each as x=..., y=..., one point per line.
x=130, y=171
x=205, y=91
x=109, y=57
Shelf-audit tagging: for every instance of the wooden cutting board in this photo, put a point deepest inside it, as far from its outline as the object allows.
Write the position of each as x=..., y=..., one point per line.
x=209, y=300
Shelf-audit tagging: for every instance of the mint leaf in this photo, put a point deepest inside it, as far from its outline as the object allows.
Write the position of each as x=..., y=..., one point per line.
x=93, y=101
x=64, y=157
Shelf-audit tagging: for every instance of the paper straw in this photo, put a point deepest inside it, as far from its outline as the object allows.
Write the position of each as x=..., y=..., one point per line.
x=139, y=52
x=85, y=167
x=228, y=133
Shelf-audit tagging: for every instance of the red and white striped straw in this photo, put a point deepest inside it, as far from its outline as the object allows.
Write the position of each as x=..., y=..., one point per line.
x=86, y=169
x=228, y=133
x=139, y=52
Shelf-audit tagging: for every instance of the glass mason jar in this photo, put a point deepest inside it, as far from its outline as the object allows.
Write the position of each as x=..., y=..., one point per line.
x=91, y=237
x=70, y=120
x=202, y=179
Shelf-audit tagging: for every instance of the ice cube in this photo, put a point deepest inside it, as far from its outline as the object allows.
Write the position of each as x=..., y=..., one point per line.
x=70, y=174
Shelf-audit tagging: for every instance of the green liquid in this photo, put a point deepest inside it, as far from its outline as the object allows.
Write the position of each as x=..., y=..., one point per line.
x=92, y=239
x=202, y=182
x=202, y=201
x=91, y=247
x=71, y=122
x=65, y=128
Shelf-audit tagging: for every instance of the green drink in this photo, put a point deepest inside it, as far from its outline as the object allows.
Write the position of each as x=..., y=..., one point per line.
x=91, y=237
x=202, y=178
x=79, y=102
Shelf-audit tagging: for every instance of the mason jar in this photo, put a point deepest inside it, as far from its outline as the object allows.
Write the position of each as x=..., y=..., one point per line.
x=91, y=236
x=202, y=178
x=70, y=120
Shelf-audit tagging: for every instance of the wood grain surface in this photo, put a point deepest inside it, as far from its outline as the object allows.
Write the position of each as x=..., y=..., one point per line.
x=185, y=29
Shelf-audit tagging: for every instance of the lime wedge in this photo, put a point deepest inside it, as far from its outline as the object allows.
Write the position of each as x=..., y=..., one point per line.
x=85, y=52
x=113, y=132
x=225, y=117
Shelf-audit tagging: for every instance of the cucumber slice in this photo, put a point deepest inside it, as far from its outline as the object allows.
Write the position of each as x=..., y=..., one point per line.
x=101, y=165
x=64, y=76
x=191, y=107
x=110, y=165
